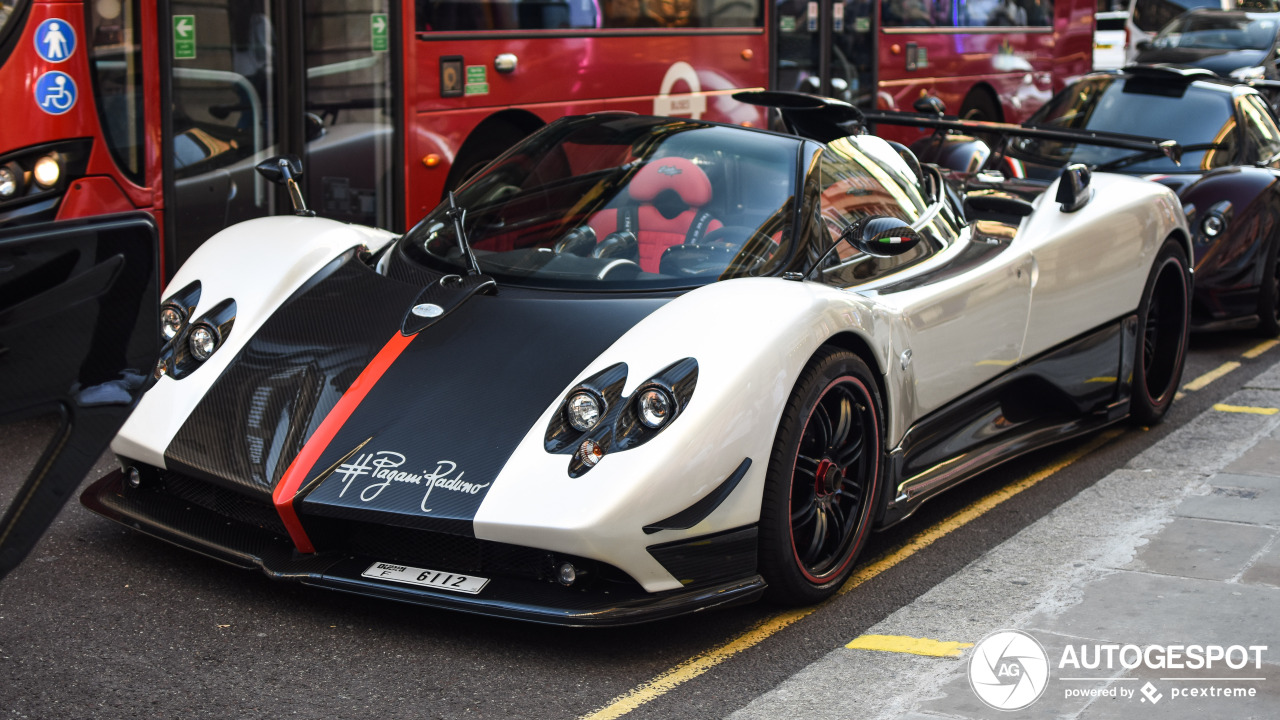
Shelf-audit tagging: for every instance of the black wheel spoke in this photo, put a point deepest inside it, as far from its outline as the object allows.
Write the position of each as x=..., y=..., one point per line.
x=851, y=451
x=819, y=531
x=804, y=515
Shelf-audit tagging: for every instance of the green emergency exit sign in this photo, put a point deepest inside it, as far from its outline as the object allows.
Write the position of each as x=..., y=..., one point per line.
x=380, y=29
x=184, y=37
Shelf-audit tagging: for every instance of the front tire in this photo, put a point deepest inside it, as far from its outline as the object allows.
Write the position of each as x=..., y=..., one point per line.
x=823, y=480
x=1163, y=326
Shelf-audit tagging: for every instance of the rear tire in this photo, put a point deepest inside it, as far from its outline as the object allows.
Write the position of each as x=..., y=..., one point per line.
x=482, y=149
x=1163, y=326
x=823, y=480
x=979, y=105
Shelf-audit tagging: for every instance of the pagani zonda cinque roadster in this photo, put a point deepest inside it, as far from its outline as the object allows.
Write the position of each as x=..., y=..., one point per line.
x=1228, y=178
x=642, y=366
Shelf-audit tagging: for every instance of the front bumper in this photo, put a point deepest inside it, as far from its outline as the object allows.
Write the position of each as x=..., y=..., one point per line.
x=247, y=545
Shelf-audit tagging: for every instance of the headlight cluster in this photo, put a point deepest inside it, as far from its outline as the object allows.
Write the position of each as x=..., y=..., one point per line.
x=595, y=418
x=190, y=342
x=1217, y=218
x=33, y=179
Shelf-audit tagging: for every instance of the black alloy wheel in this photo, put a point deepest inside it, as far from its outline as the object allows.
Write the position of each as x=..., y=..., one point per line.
x=1163, y=325
x=823, y=480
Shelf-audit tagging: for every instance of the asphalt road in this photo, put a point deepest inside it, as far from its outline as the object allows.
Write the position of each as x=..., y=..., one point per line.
x=101, y=622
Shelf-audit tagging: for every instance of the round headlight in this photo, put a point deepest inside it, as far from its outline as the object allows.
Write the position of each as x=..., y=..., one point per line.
x=47, y=171
x=203, y=341
x=171, y=321
x=8, y=183
x=654, y=407
x=583, y=411
x=1212, y=225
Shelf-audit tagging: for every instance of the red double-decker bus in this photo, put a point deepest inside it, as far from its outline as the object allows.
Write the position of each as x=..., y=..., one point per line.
x=167, y=105
x=986, y=59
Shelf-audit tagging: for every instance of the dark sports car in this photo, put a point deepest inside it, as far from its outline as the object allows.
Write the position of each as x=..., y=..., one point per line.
x=641, y=366
x=1227, y=178
x=1231, y=43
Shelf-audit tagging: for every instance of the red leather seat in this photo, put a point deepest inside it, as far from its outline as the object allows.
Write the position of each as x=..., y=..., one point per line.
x=665, y=209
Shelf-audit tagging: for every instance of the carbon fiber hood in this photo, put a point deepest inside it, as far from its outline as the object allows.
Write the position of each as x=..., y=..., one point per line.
x=425, y=443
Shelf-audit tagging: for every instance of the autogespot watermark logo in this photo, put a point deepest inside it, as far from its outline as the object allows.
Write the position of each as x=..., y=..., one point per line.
x=1008, y=670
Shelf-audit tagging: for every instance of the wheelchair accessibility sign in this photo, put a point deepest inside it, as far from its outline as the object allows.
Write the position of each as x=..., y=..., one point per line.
x=55, y=92
x=55, y=40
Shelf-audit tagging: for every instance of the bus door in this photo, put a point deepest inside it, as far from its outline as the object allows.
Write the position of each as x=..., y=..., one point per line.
x=826, y=47
x=249, y=79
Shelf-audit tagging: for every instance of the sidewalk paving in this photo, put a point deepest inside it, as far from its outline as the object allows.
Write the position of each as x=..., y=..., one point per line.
x=1179, y=547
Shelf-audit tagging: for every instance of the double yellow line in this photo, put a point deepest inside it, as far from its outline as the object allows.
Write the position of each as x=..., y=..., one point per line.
x=769, y=626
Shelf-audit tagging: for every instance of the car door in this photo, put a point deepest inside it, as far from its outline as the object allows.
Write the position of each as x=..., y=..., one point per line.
x=79, y=337
x=964, y=296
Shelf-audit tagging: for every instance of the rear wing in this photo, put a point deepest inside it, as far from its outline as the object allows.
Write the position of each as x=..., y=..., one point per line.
x=825, y=119
x=1169, y=148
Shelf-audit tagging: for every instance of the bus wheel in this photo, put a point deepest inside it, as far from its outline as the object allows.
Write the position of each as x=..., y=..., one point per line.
x=491, y=140
x=979, y=105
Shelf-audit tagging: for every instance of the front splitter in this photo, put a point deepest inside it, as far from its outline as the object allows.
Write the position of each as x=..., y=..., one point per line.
x=195, y=528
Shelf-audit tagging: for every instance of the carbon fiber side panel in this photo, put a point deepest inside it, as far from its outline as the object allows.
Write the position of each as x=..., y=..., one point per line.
x=709, y=558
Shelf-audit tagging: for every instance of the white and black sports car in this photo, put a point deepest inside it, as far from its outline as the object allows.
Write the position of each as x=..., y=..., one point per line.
x=641, y=366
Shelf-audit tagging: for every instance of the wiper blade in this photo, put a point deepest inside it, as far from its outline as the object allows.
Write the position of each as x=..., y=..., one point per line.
x=458, y=216
x=1138, y=157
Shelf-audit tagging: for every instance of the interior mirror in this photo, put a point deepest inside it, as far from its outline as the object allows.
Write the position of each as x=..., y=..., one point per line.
x=881, y=236
x=1073, y=187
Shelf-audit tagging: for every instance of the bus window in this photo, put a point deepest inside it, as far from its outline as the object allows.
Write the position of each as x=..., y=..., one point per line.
x=115, y=53
x=349, y=103
x=223, y=120
x=484, y=15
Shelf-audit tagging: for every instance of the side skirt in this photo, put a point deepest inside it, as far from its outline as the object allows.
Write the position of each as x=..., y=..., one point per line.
x=1075, y=388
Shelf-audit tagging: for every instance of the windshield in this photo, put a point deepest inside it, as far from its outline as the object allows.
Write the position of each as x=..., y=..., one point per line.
x=623, y=202
x=1200, y=119
x=1219, y=31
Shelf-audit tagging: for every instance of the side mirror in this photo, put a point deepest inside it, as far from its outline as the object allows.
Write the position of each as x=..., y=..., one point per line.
x=1142, y=45
x=285, y=170
x=1073, y=187
x=930, y=105
x=314, y=126
x=881, y=236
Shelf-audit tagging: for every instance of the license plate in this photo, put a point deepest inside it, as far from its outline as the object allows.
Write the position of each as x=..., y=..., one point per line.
x=469, y=584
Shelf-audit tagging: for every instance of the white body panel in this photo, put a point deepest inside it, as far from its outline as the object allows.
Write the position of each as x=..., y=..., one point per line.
x=732, y=415
x=258, y=263
x=1092, y=265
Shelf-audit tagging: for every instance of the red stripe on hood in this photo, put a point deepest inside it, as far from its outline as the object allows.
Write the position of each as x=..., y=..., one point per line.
x=301, y=467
